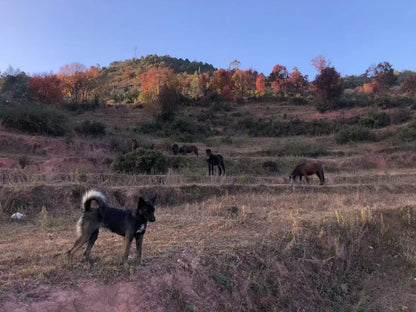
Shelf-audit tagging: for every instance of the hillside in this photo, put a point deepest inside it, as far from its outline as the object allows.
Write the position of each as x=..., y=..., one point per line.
x=248, y=241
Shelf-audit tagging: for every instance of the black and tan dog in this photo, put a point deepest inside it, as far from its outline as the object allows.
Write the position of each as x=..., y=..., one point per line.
x=128, y=223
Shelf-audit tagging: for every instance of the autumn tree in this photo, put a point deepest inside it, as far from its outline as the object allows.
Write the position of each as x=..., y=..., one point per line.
x=152, y=82
x=327, y=88
x=222, y=83
x=261, y=85
x=244, y=81
x=278, y=78
x=409, y=85
x=297, y=84
x=78, y=81
x=383, y=74
x=46, y=89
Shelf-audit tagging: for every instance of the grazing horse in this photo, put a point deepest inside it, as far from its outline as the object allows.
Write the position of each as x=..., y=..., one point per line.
x=306, y=169
x=214, y=160
x=175, y=149
x=185, y=149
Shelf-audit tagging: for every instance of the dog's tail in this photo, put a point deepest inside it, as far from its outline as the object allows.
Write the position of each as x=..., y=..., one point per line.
x=93, y=195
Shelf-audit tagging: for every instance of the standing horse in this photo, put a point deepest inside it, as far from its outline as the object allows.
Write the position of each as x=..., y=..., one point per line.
x=185, y=149
x=175, y=149
x=214, y=160
x=306, y=169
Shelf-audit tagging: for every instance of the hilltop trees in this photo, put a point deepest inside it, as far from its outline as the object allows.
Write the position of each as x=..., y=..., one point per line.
x=383, y=75
x=46, y=89
x=327, y=88
x=77, y=81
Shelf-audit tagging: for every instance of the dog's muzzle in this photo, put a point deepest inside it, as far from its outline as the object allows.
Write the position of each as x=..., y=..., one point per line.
x=151, y=219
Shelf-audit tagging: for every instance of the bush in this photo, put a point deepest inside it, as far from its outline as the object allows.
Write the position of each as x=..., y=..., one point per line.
x=354, y=133
x=389, y=101
x=407, y=134
x=35, y=119
x=93, y=128
x=142, y=161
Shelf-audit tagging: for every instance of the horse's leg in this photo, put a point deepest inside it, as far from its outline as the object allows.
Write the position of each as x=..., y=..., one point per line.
x=219, y=170
x=307, y=179
x=319, y=174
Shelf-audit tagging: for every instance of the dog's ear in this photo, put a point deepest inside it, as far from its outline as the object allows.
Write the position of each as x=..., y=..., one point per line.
x=153, y=200
x=141, y=202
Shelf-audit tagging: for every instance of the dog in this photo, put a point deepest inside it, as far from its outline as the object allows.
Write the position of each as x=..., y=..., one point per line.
x=128, y=223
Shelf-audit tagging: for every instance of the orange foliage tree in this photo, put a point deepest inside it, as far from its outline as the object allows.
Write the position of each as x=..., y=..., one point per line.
x=260, y=85
x=409, y=85
x=222, y=83
x=297, y=84
x=46, y=89
x=152, y=82
x=77, y=81
x=278, y=78
x=244, y=81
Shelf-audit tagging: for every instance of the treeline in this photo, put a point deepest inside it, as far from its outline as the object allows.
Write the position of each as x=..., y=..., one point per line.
x=162, y=83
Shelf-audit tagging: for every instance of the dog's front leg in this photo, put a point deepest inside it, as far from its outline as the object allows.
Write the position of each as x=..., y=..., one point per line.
x=127, y=244
x=139, y=242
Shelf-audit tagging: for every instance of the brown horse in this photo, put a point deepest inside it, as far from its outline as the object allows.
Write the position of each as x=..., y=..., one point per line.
x=175, y=149
x=185, y=149
x=306, y=169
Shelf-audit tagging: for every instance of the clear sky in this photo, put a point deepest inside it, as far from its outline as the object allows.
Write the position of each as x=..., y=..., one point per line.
x=40, y=36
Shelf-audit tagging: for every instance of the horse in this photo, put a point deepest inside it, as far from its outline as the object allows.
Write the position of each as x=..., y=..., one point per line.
x=214, y=160
x=185, y=149
x=306, y=169
x=175, y=149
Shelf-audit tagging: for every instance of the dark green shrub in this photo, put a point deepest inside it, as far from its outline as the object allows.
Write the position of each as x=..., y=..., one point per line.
x=35, y=119
x=178, y=162
x=407, y=134
x=381, y=120
x=271, y=166
x=93, y=128
x=389, y=101
x=142, y=161
x=354, y=133
x=400, y=115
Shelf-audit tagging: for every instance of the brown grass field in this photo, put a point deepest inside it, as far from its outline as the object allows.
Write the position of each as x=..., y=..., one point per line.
x=249, y=241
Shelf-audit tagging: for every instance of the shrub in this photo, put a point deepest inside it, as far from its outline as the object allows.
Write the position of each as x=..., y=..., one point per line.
x=93, y=128
x=178, y=162
x=354, y=133
x=407, y=134
x=142, y=161
x=301, y=149
x=35, y=119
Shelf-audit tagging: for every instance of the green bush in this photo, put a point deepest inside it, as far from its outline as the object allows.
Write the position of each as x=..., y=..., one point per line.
x=407, y=134
x=354, y=133
x=142, y=161
x=93, y=128
x=35, y=119
x=178, y=162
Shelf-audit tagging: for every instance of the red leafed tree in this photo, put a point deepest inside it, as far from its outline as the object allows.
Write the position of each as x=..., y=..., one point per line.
x=278, y=78
x=297, y=84
x=328, y=85
x=409, y=85
x=244, y=81
x=46, y=89
x=261, y=85
x=222, y=83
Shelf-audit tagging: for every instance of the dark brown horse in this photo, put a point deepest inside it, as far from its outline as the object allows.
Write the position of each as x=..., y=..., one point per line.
x=185, y=149
x=214, y=160
x=306, y=169
x=175, y=149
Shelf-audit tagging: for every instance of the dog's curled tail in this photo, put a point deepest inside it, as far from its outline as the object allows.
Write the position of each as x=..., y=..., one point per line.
x=90, y=196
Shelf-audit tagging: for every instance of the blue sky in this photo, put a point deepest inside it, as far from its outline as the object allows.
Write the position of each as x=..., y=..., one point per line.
x=43, y=35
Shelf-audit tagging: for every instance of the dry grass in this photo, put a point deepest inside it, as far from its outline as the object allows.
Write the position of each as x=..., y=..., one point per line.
x=296, y=241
